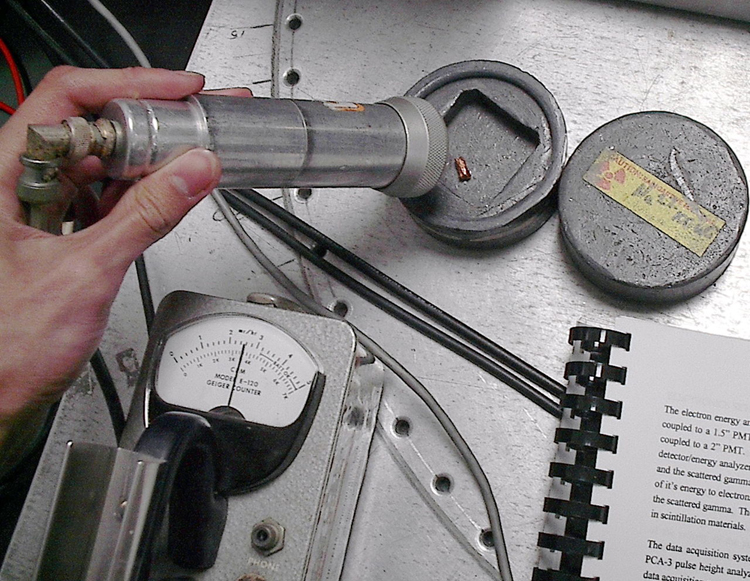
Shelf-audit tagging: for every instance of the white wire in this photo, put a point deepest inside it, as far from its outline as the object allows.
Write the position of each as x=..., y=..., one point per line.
x=399, y=370
x=122, y=32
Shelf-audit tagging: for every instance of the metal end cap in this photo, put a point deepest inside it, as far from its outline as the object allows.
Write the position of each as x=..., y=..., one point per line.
x=426, y=147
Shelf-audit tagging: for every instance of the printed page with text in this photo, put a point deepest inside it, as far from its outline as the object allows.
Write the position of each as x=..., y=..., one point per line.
x=680, y=499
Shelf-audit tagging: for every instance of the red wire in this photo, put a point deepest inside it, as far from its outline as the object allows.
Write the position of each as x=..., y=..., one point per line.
x=7, y=108
x=15, y=73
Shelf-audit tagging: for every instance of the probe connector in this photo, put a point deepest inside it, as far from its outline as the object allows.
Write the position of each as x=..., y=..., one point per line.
x=48, y=148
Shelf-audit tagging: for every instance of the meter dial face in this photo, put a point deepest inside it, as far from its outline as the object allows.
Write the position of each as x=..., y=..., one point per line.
x=239, y=366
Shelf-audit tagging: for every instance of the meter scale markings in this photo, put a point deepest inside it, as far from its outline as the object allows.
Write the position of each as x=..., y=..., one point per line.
x=284, y=374
x=237, y=362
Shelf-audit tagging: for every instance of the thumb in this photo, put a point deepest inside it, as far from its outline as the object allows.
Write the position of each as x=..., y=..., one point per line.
x=156, y=204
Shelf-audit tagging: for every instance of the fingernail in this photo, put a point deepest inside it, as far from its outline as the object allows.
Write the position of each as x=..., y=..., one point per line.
x=191, y=74
x=195, y=173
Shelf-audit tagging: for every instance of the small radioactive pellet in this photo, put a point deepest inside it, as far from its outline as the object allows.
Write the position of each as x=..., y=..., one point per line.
x=464, y=175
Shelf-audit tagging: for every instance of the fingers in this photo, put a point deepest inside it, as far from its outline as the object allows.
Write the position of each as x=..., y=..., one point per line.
x=86, y=172
x=152, y=207
x=69, y=91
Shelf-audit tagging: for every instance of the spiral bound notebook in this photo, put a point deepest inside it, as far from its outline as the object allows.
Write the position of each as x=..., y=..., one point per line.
x=652, y=478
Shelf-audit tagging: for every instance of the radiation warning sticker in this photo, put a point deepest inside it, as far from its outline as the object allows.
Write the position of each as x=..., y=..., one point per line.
x=662, y=206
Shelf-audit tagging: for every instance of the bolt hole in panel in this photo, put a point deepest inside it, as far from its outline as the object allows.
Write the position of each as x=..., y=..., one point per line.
x=294, y=22
x=442, y=484
x=402, y=427
x=341, y=307
x=487, y=539
x=292, y=77
x=304, y=194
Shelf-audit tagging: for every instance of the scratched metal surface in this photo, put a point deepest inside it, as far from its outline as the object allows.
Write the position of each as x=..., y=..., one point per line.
x=601, y=59
x=738, y=9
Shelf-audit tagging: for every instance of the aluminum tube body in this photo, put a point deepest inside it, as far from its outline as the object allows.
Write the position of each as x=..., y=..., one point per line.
x=264, y=142
x=398, y=146
x=274, y=143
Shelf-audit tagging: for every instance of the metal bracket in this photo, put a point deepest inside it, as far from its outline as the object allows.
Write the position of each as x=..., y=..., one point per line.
x=435, y=470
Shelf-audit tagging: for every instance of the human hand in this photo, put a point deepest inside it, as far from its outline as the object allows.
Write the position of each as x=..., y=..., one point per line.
x=56, y=291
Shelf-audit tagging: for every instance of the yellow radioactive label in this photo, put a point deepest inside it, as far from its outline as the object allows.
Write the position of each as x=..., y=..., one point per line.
x=662, y=206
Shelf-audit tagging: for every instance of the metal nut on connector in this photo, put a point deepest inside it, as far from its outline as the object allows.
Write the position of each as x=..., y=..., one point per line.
x=81, y=137
x=267, y=537
x=108, y=133
x=86, y=138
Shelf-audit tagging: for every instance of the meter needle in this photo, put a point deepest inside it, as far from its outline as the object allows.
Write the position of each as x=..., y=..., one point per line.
x=236, y=374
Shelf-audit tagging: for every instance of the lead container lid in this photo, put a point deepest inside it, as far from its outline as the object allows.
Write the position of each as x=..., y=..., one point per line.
x=652, y=206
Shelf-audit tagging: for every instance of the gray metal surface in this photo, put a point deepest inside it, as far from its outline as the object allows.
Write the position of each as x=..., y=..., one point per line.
x=600, y=59
x=99, y=514
x=86, y=467
x=739, y=9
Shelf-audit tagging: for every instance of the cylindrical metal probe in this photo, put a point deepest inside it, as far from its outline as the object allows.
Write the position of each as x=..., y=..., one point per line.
x=398, y=146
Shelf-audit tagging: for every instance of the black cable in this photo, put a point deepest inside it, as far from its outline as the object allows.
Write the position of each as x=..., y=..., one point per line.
x=44, y=36
x=85, y=46
x=437, y=335
x=144, y=286
x=112, y=399
x=10, y=34
x=406, y=295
